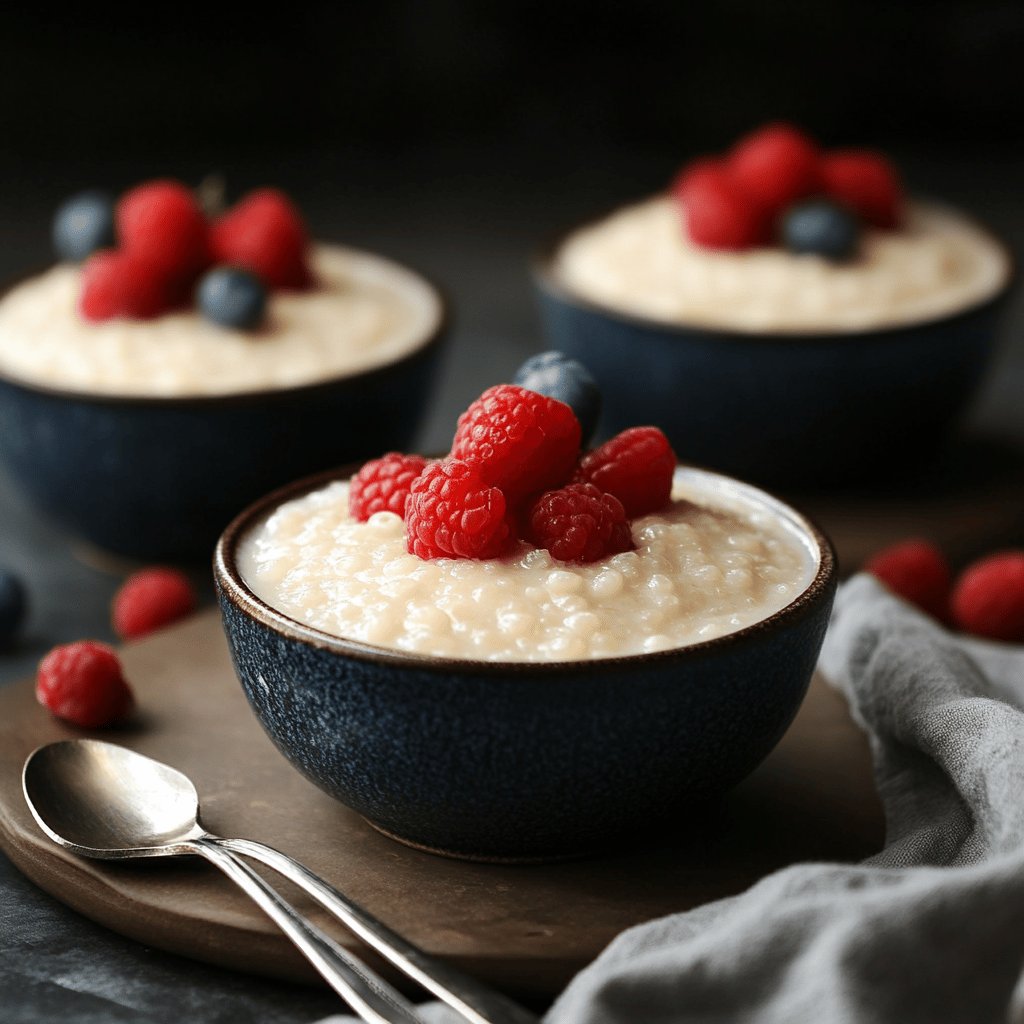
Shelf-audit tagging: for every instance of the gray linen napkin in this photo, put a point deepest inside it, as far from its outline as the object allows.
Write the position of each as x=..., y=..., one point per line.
x=930, y=930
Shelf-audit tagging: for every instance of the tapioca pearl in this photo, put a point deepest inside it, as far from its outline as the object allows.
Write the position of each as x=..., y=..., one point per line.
x=561, y=582
x=536, y=595
x=607, y=583
x=667, y=602
x=423, y=616
x=376, y=629
x=709, y=574
x=583, y=623
x=660, y=584
x=569, y=604
x=385, y=522
x=626, y=564
x=658, y=642
x=748, y=542
x=710, y=630
x=517, y=624
x=739, y=579
x=568, y=648
x=536, y=559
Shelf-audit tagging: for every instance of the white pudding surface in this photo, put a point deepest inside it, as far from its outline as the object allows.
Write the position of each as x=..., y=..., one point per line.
x=640, y=260
x=715, y=561
x=365, y=312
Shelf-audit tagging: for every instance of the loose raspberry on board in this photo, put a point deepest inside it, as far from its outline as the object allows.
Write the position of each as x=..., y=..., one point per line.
x=917, y=571
x=83, y=683
x=988, y=599
x=151, y=599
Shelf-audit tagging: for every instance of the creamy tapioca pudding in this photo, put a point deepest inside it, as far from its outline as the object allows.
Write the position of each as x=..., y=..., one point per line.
x=364, y=312
x=640, y=260
x=710, y=563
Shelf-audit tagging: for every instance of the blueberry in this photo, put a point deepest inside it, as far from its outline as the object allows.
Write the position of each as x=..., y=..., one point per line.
x=83, y=224
x=823, y=228
x=13, y=605
x=232, y=298
x=556, y=375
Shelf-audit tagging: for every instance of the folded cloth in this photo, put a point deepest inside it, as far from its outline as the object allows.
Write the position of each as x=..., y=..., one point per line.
x=928, y=931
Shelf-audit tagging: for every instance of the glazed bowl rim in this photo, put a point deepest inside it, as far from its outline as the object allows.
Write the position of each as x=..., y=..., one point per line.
x=432, y=336
x=547, y=279
x=232, y=587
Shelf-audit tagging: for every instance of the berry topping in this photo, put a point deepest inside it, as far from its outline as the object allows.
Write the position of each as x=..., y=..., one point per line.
x=232, y=298
x=264, y=233
x=162, y=223
x=522, y=442
x=383, y=484
x=867, y=183
x=566, y=380
x=718, y=214
x=988, y=599
x=151, y=599
x=83, y=684
x=579, y=523
x=119, y=284
x=822, y=228
x=13, y=605
x=635, y=466
x=453, y=513
x=775, y=166
x=83, y=224
x=916, y=571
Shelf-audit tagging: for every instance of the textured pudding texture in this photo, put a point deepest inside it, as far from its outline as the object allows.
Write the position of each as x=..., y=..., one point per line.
x=713, y=562
x=641, y=261
x=365, y=312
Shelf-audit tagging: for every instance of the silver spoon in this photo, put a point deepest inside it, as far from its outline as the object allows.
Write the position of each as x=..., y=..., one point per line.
x=102, y=800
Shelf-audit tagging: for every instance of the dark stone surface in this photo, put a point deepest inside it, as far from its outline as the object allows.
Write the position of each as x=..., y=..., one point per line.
x=469, y=221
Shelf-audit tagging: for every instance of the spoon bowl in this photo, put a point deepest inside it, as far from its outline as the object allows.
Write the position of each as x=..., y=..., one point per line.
x=106, y=801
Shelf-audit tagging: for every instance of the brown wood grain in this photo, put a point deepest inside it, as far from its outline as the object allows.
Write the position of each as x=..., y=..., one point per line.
x=525, y=928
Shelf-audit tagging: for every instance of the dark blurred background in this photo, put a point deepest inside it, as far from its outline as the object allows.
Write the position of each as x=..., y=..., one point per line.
x=457, y=135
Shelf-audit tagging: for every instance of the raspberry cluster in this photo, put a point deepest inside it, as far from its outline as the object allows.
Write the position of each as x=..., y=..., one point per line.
x=986, y=599
x=515, y=473
x=145, y=254
x=777, y=184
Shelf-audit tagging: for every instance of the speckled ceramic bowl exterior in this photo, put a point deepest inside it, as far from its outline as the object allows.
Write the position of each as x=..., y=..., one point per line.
x=159, y=478
x=521, y=760
x=804, y=409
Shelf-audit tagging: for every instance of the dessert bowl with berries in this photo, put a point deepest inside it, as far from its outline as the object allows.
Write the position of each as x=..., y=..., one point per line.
x=178, y=363
x=785, y=312
x=524, y=649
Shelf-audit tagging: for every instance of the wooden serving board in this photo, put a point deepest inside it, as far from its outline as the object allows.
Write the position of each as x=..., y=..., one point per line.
x=526, y=929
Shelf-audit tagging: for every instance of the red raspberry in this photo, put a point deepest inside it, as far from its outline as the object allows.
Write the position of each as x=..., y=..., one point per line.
x=382, y=485
x=452, y=513
x=264, y=233
x=717, y=214
x=151, y=599
x=524, y=442
x=916, y=571
x=579, y=523
x=83, y=683
x=775, y=166
x=120, y=284
x=988, y=599
x=867, y=182
x=162, y=223
x=637, y=466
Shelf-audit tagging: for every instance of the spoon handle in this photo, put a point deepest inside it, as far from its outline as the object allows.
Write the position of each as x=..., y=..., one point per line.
x=477, y=1003
x=369, y=995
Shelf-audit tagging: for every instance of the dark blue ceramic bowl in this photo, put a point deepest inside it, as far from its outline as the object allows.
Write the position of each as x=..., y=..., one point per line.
x=522, y=760
x=158, y=478
x=795, y=409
